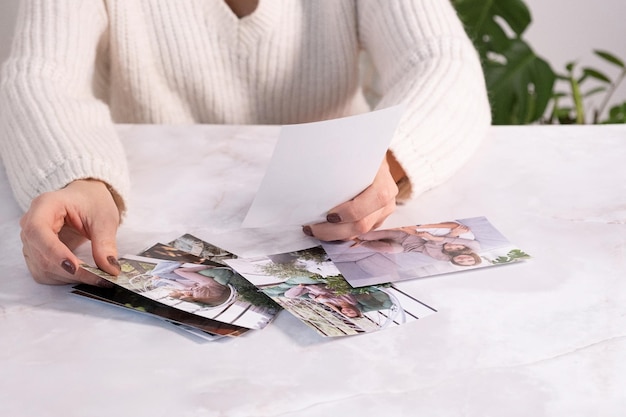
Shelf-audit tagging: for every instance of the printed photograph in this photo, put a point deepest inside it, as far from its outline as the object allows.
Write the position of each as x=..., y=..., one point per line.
x=170, y=253
x=195, y=246
x=308, y=285
x=417, y=251
x=210, y=291
x=207, y=329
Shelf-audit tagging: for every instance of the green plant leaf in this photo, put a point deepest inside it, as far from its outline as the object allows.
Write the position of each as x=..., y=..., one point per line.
x=564, y=111
x=607, y=56
x=617, y=114
x=479, y=16
x=496, y=38
x=593, y=73
x=520, y=91
x=474, y=14
x=515, y=13
x=519, y=82
x=594, y=91
x=542, y=77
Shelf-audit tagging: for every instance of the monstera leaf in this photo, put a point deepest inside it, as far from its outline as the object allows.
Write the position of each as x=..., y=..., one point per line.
x=481, y=20
x=519, y=82
x=520, y=87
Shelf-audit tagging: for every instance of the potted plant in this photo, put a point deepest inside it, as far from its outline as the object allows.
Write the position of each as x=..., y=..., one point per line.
x=521, y=84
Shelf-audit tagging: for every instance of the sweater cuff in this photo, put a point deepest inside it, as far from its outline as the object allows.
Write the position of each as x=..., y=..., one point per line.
x=114, y=177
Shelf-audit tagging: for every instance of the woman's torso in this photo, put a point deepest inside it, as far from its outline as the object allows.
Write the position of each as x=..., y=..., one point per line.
x=195, y=61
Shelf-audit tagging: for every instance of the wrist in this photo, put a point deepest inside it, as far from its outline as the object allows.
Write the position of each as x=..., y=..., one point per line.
x=117, y=198
x=399, y=176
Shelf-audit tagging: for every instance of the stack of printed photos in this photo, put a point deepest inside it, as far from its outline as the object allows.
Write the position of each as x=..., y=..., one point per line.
x=337, y=288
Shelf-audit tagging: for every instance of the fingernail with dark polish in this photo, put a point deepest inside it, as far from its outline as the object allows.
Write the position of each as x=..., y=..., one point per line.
x=333, y=218
x=68, y=266
x=113, y=262
x=307, y=230
x=104, y=283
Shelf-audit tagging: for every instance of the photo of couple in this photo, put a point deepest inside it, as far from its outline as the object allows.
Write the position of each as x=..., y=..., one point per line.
x=308, y=285
x=423, y=250
x=195, y=285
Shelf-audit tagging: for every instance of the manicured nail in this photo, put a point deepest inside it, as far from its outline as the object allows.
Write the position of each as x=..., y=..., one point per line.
x=307, y=230
x=104, y=283
x=68, y=266
x=113, y=262
x=333, y=218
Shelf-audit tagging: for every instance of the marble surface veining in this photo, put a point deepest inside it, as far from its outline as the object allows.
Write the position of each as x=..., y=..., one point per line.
x=541, y=338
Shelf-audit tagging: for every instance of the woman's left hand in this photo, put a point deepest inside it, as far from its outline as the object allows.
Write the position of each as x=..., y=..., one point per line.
x=363, y=213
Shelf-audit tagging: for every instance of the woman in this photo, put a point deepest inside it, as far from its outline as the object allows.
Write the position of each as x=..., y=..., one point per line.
x=199, y=284
x=76, y=69
x=465, y=259
x=346, y=304
x=410, y=239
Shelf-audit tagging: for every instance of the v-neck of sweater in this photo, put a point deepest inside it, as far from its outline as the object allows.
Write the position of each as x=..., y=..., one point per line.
x=247, y=30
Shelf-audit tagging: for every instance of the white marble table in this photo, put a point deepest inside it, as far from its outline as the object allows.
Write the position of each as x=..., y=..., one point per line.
x=541, y=338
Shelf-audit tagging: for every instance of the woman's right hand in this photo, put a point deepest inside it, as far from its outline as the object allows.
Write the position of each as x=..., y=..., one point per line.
x=58, y=222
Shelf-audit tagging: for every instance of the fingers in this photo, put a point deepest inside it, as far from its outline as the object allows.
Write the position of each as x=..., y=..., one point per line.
x=58, y=222
x=363, y=213
x=41, y=272
x=98, y=219
x=49, y=261
x=382, y=193
x=344, y=231
x=103, y=246
x=52, y=263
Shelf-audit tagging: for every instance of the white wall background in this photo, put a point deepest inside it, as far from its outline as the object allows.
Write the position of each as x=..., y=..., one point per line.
x=562, y=31
x=569, y=30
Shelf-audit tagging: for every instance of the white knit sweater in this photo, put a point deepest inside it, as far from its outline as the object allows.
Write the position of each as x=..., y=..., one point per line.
x=79, y=66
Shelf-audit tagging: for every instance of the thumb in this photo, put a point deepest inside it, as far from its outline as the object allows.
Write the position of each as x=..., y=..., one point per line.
x=104, y=247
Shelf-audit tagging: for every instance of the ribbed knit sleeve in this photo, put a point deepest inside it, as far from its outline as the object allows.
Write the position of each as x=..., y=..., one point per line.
x=53, y=127
x=424, y=57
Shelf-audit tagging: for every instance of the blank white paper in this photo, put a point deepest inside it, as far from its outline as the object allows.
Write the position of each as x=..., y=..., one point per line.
x=317, y=166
